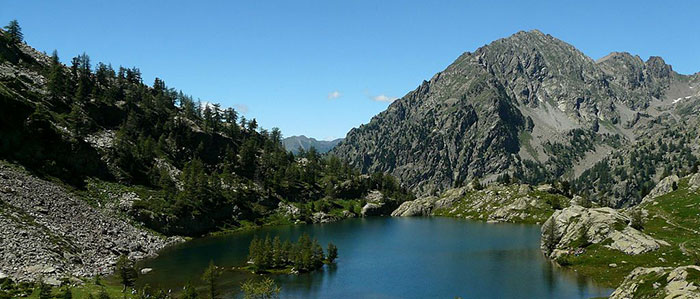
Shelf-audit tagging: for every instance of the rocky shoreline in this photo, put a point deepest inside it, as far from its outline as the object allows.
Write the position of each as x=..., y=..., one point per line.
x=45, y=231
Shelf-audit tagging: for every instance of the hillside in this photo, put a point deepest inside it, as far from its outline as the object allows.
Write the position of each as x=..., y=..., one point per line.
x=531, y=108
x=294, y=143
x=104, y=134
x=661, y=233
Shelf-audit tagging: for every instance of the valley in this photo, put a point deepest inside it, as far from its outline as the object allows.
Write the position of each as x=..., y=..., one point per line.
x=524, y=167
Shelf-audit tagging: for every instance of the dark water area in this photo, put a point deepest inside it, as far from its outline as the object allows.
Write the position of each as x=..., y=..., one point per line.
x=390, y=258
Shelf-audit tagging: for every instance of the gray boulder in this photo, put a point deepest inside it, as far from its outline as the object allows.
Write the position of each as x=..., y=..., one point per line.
x=567, y=228
x=664, y=186
x=373, y=209
x=418, y=207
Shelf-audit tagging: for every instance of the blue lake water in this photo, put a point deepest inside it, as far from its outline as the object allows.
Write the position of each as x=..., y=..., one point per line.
x=391, y=258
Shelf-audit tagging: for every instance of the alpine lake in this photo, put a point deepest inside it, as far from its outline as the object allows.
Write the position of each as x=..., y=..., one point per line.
x=384, y=257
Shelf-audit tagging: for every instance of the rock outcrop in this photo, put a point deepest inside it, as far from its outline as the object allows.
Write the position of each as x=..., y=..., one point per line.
x=46, y=231
x=665, y=186
x=660, y=282
x=577, y=226
x=418, y=207
x=377, y=205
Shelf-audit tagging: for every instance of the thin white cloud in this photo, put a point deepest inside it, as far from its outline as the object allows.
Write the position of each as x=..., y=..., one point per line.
x=242, y=108
x=384, y=98
x=334, y=95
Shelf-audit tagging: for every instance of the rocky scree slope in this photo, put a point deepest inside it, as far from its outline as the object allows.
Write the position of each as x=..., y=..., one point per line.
x=47, y=232
x=530, y=106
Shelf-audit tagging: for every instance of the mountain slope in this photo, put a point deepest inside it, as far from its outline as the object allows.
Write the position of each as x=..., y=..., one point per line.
x=528, y=106
x=200, y=168
x=294, y=143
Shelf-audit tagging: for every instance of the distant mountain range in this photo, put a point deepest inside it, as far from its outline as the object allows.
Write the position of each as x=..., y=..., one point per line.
x=293, y=143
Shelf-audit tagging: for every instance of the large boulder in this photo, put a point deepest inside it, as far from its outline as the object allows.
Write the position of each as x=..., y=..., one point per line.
x=660, y=282
x=373, y=209
x=377, y=204
x=418, y=207
x=577, y=226
x=694, y=182
x=665, y=186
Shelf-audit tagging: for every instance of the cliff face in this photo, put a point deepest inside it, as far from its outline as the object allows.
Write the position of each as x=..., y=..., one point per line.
x=530, y=106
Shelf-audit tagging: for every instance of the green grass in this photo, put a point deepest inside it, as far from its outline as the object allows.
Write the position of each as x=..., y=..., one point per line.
x=681, y=207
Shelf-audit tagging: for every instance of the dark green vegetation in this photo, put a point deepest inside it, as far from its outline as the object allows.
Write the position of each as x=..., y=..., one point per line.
x=304, y=255
x=199, y=168
x=674, y=219
x=668, y=152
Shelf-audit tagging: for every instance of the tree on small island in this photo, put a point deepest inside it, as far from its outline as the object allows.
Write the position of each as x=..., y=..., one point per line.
x=332, y=252
x=305, y=255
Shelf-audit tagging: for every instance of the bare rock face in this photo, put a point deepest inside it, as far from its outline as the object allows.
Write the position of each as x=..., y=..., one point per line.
x=660, y=282
x=574, y=225
x=665, y=186
x=533, y=107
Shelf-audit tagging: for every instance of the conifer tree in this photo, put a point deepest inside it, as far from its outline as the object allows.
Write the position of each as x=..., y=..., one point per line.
x=14, y=31
x=332, y=252
x=57, y=80
x=126, y=271
x=210, y=277
x=190, y=292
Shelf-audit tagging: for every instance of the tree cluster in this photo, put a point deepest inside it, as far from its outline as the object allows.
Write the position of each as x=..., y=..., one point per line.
x=304, y=255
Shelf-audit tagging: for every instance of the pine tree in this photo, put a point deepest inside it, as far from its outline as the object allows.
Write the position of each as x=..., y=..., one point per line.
x=57, y=79
x=190, y=292
x=126, y=272
x=332, y=252
x=14, y=31
x=253, y=125
x=264, y=289
x=210, y=277
x=277, y=253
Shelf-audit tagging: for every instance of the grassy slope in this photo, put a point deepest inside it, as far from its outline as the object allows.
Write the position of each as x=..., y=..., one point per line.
x=673, y=220
x=478, y=205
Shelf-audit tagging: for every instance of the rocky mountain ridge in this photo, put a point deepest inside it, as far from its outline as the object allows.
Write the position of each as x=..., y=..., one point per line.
x=294, y=143
x=528, y=106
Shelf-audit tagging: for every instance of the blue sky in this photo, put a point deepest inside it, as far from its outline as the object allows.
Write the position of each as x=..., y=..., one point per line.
x=320, y=68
